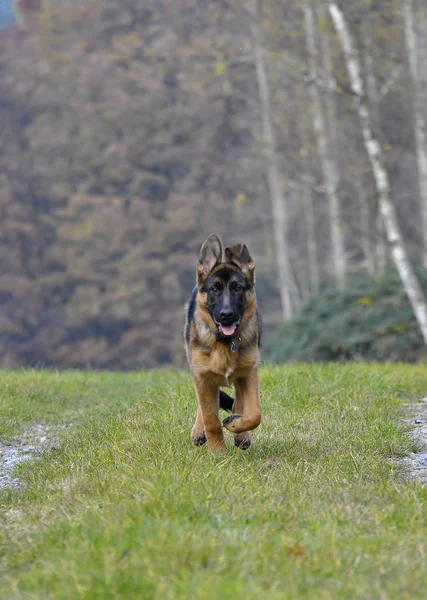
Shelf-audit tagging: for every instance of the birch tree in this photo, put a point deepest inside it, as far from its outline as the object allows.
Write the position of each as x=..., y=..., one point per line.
x=373, y=149
x=313, y=267
x=418, y=117
x=287, y=285
x=328, y=164
x=307, y=201
x=380, y=250
x=365, y=214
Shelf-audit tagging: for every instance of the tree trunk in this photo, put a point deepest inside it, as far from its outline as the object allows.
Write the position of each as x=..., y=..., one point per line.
x=419, y=122
x=398, y=250
x=329, y=96
x=307, y=199
x=313, y=267
x=329, y=169
x=380, y=253
x=380, y=245
x=365, y=214
x=287, y=285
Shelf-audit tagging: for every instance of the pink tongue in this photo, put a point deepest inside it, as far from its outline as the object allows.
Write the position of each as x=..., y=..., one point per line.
x=228, y=330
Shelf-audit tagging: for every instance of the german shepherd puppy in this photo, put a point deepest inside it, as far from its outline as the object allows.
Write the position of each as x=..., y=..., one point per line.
x=222, y=336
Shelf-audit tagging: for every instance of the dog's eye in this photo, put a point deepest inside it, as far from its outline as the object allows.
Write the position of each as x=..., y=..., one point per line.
x=238, y=288
x=214, y=289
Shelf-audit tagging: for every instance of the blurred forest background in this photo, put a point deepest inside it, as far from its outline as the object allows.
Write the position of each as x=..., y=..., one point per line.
x=131, y=129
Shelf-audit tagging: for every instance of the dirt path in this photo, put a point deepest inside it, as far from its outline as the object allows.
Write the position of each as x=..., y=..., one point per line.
x=33, y=441
x=416, y=462
x=44, y=436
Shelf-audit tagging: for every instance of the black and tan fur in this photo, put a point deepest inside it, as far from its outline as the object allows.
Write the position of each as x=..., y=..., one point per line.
x=212, y=362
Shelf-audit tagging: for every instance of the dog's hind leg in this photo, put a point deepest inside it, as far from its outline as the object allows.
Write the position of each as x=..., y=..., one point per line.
x=225, y=401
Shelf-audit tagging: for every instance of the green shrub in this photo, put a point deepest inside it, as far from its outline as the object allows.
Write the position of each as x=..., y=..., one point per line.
x=368, y=320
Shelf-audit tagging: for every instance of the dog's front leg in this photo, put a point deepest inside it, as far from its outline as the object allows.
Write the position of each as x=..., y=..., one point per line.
x=198, y=431
x=208, y=399
x=247, y=400
x=241, y=440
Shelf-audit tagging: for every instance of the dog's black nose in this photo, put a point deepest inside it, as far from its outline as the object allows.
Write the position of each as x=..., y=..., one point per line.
x=226, y=315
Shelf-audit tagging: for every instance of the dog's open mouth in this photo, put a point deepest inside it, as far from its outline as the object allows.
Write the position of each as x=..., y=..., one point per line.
x=227, y=330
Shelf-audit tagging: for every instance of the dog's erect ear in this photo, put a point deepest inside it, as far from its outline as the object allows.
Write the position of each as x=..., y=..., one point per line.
x=210, y=257
x=239, y=256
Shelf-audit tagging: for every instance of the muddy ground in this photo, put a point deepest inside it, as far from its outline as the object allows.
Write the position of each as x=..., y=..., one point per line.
x=416, y=462
x=31, y=443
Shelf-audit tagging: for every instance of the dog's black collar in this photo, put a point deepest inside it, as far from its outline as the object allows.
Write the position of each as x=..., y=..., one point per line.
x=223, y=339
x=220, y=337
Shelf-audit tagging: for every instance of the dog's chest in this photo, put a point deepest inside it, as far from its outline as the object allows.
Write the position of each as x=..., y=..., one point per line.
x=223, y=362
x=222, y=366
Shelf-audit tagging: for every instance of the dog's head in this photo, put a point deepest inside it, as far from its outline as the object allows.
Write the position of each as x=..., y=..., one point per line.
x=225, y=288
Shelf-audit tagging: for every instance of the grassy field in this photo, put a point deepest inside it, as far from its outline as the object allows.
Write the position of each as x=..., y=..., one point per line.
x=126, y=507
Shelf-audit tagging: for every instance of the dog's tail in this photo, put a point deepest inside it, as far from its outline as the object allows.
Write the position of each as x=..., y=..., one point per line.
x=225, y=401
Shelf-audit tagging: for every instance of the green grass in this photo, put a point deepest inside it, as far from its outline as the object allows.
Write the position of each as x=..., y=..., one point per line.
x=126, y=507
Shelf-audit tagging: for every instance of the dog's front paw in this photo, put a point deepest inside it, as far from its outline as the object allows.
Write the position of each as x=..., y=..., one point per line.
x=199, y=439
x=229, y=422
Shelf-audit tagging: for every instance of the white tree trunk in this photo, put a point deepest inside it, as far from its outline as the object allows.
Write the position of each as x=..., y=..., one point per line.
x=287, y=286
x=307, y=200
x=313, y=267
x=380, y=245
x=329, y=96
x=380, y=254
x=419, y=122
x=329, y=169
x=373, y=149
x=365, y=222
